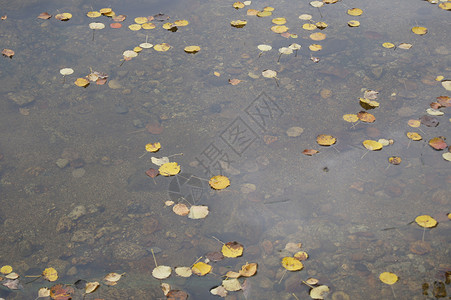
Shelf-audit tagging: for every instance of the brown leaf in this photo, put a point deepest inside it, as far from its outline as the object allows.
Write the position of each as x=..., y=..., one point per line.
x=44, y=16
x=429, y=121
x=154, y=128
x=438, y=143
x=176, y=295
x=8, y=53
x=215, y=256
x=444, y=101
x=234, y=81
x=310, y=152
x=366, y=117
x=152, y=172
x=61, y=292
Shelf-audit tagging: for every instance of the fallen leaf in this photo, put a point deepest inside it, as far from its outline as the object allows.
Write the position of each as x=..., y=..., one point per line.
x=325, y=140
x=388, y=277
x=50, y=274
x=309, y=152
x=198, y=212
x=438, y=143
x=219, y=182
x=169, y=169
x=161, y=272
x=44, y=16
x=234, y=81
x=232, y=249
x=292, y=264
x=319, y=292
x=201, y=268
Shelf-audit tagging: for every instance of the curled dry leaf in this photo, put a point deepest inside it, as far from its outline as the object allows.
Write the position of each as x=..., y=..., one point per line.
x=234, y=81
x=44, y=16
x=91, y=287
x=8, y=53
x=113, y=277
x=309, y=152
x=180, y=209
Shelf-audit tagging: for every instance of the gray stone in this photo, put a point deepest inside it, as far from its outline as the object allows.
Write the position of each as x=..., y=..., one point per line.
x=62, y=163
x=21, y=99
x=83, y=236
x=128, y=251
x=77, y=212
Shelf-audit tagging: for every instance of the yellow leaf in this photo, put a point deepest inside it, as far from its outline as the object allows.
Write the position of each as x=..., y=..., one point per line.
x=301, y=255
x=355, y=11
x=6, y=269
x=264, y=13
x=134, y=27
x=219, y=182
x=350, y=118
x=321, y=25
x=426, y=221
x=309, y=26
x=325, y=140
x=192, y=49
x=148, y=26
x=353, y=23
x=181, y=23
x=168, y=169
x=279, y=29
x=394, y=160
x=162, y=47
x=238, y=23
x=238, y=5
x=232, y=274
x=231, y=285
x=232, y=249
x=372, y=145
x=318, y=36
x=291, y=264
x=419, y=30
x=445, y=5
x=388, y=278
x=81, y=82
x=414, y=123
x=414, y=136
x=279, y=21
x=169, y=26
x=91, y=287
x=268, y=8
x=153, y=147
x=106, y=11
x=439, y=77
x=315, y=47
x=141, y=20
x=50, y=274
x=371, y=103
x=248, y=270
x=93, y=14
x=137, y=49
x=201, y=268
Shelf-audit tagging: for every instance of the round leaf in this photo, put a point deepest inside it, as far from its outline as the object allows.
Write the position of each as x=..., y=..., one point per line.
x=388, y=278
x=161, y=272
x=168, y=169
x=426, y=221
x=219, y=182
x=292, y=264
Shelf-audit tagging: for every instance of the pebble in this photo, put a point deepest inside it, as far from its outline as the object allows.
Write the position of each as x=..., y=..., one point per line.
x=62, y=163
x=77, y=212
x=121, y=108
x=78, y=173
x=294, y=131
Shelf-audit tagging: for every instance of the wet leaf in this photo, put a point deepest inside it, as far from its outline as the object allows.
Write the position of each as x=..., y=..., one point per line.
x=161, y=17
x=279, y=28
x=93, y=14
x=234, y=81
x=215, y=256
x=63, y=16
x=141, y=20
x=264, y=48
x=388, y=45
x=309, y=26
x=8, y=53
x=43, y=292
x=321, y=25
x=317, y=4
x=414, y=136
x=180, y=209
x=269, y=74
x=301, y=255
x=279, y=21
x=414, y=123
x=82, y=82
x=405, y=46
x=394, y=160
x=419, y=30
x=426, y=221
x=165, y=287
x=50, y=274
x=159, y=161
x=162, y=272
x=66, y=71
x=319, y=292
x=315, y=47
x=232, y=249
x=169, y=169
x=305, y=17
x=351, y=118
x=219, y=291
x=292, y=264
x=312, y=281
x=388, y=278
x=353, y=23
x=447, y=84
x=191, y=49
x=152, y=173
x=113, y=277
x=231, y=285
x=44, y=16
x=309, y=152
x=219, y=182
x=201, y=268
x=198, y=212
x=438, y=143
x=153, y=147
x=61, y=292
x=183, y=271
x=372, y=145
x=181, y=23
x=91, y=287
x=238, y=23
x=318, y=36
x=162, y=47
x=355, y=11
x=447, y=156
x=129, y=54
x=119, y=18
x=148, y=26
x=177, y=295
x=366, y=103
x=134, y=27
x=6, y=269
x=248, y=270
x=325, y=140
x=366, y=117
x=238, y=5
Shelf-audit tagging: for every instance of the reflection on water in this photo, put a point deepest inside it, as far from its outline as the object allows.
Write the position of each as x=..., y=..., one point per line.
x=74, y=192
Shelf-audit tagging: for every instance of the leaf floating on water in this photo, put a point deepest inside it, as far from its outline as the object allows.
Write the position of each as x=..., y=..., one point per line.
x=91, y=287
x=248, y=270
x=372, y=145
x=353, y=23
x=292, y=264
x=63, y=16
x=181, y=23
x=159, y=161
x=219, y=291
x=309, y=26
x=162, y=47
x=355, y=11
x=315, y=47
x=234, y=81
x=238, y=5
x=318, y=36
x=183, y=271
x=44, y=16
x=191, y=49
x=388, y=45
x=366, y=117
x=321, y=25
x=162, y=272
x=232, y=249
x=169, y=169
x=310, y=152
x=153, y=147
x=394, y=160
x=279, y=28
x=279, y=21
x=50, y=274
x=447, y=156
x=426, y=221
x=8, y=53
x=201, y=268
x=43, y=292
x=61, y=292
x=325, y=140
x=180, y=209
x=219, y=182
x=351, y=118
x=405, y=46
x=93, y=14
x=113, y=277
x=66, y=71
x=317, y=4
x=119, y=18
x=134, y=27
x=438, y=143
x=414, y=136
x=414, y=123
x=238, y=23
x=152, y=173
x=6, y=269
x=419, y=30
x=429, y=121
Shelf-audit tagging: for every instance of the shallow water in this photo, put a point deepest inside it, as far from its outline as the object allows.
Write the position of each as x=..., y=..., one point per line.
x=100, y=213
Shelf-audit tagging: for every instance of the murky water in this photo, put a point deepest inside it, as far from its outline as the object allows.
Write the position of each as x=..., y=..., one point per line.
x=75, y=195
